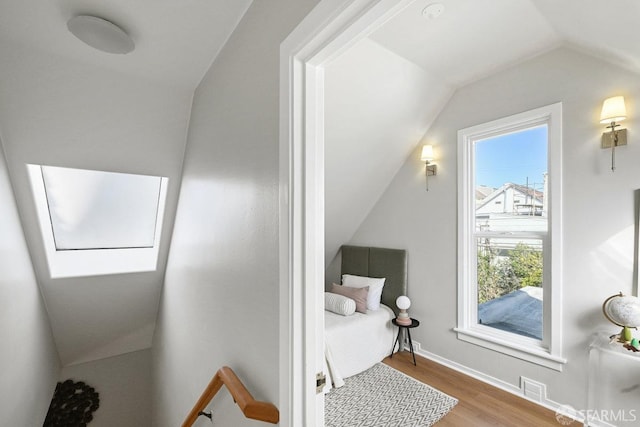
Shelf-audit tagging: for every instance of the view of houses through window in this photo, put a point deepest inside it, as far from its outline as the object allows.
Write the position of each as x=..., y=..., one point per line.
x=510, y=235
x=511, y=229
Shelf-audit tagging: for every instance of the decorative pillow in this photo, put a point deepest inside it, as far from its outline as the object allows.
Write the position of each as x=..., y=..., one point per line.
x=375, y=288
x=339, y=304
x=359, y=295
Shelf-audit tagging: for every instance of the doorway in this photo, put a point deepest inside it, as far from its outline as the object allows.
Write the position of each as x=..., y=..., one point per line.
x=329, y=30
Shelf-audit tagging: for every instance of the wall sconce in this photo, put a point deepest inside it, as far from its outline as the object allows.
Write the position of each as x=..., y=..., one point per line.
x=613, y=111
x=430, y=169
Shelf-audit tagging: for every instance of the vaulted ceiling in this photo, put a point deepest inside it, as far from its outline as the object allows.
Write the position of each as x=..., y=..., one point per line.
x=418, y=61
x=63, y=103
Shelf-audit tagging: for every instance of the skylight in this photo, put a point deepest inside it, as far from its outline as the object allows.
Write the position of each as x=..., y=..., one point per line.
x=96, y=222
x=101, y=210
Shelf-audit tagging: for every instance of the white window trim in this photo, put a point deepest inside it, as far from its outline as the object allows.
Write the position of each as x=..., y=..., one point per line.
x=93, y=262
x=547, y=352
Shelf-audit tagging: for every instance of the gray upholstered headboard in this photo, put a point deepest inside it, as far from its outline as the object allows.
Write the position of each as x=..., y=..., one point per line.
x=378, y=262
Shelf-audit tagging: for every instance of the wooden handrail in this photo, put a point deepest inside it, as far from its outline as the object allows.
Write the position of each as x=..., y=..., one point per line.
x=251, y=408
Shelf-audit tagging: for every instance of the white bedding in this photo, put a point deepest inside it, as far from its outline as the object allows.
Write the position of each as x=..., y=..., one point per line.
x=355, y=343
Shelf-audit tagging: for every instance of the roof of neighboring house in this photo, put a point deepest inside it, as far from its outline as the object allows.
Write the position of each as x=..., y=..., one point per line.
x=519, y=312
x=528, y=191
x=482, y=191
x=537, y=195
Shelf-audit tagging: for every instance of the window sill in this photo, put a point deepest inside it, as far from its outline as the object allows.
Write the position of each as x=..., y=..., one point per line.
x=535, y=355
x=99, y=262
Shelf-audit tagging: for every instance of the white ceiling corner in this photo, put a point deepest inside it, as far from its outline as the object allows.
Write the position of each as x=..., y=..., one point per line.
x=605, y=30
x=471, y=39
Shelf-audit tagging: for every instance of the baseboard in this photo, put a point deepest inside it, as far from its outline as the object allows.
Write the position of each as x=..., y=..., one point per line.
x=530, y=390
x=417, y=348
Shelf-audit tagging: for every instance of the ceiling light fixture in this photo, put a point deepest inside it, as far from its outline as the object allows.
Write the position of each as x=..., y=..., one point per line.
x=100, y=34
x=433, y=10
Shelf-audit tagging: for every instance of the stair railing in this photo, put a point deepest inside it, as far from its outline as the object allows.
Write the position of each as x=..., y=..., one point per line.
x=251, y=408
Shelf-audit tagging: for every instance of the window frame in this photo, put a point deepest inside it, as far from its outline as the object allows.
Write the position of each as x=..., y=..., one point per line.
x=548, y=351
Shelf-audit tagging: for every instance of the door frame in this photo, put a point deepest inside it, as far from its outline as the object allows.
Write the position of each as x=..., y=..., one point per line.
x=331, y=28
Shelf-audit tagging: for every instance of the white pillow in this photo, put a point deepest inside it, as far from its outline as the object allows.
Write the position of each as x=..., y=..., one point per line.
x=339, y=304
x=375, y=288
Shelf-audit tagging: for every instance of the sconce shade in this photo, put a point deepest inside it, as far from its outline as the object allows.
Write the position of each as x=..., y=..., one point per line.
x=403, y=302
x=613, y=110
x=427, y=153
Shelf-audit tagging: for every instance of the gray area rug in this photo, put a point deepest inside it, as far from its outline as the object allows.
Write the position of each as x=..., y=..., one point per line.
x=385, y=397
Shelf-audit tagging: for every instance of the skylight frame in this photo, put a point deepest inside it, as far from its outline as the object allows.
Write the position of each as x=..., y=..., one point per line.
x=93, y=262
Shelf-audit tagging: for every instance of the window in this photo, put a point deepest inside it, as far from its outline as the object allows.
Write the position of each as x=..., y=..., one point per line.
x=96, y=222
x=509, y=281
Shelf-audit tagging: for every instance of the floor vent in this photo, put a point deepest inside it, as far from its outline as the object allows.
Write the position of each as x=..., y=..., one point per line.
x=533, y=390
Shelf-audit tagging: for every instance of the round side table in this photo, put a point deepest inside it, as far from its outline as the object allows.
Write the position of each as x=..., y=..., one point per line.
x=414, y=324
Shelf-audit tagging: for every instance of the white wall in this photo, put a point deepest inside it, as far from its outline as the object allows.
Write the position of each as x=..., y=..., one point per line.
x=59, y=112
x=124, y=387
x=220, y=299
x=28, y=356
x=598, y=212
x=377, y=105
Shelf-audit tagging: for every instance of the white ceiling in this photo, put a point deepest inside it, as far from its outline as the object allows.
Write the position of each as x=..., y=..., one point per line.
x=475, y=38
x=605, y=29
x=472, y=39
x=176, y=41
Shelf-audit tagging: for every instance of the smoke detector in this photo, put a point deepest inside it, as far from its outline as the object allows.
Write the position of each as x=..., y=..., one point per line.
x=433, y=10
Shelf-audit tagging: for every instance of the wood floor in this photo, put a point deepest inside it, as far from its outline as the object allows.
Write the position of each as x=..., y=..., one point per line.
x=479, y=404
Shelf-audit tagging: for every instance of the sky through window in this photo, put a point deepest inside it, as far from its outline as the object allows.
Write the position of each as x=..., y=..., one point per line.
x=512, y=158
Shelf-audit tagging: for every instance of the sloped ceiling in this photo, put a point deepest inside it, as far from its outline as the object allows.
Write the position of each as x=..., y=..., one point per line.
x=374, y=121
x=63, y=103
x=175, y=40
x=378, y=105
x=470, y=40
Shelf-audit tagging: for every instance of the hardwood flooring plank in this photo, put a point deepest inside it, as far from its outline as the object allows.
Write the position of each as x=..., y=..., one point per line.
x=480, y=404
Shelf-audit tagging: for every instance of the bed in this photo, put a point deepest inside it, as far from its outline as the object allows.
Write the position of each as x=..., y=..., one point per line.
x=355, y=343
